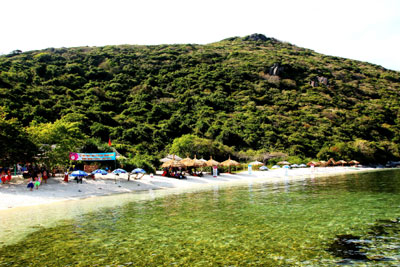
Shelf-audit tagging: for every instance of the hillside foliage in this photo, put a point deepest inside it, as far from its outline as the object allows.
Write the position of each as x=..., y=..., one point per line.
x=239, y=95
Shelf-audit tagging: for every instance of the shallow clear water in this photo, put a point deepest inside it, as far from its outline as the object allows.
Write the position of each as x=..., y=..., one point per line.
x=343, y=220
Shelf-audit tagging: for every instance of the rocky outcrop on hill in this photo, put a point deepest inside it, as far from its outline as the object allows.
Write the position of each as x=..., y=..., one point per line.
x=319, y=80
x=256, y=37
x=276, y=69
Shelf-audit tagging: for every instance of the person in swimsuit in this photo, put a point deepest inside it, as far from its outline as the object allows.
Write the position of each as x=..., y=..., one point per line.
x=37, y=183
x=9, y=177
x=3, y=177
x=45, y=176
x=30, y=184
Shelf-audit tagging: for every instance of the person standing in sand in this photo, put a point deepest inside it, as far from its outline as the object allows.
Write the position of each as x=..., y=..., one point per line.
x=66, y=177
x=37, y=183
x=30, y=184
x=9, y=177
x=45, y=176
x=39, y=177
x=3, y=177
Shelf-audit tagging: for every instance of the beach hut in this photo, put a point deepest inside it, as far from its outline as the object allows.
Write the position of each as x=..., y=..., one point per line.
x=229, y=162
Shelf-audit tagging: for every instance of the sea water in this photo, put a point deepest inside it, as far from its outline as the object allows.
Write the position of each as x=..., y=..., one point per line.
x=341, y=220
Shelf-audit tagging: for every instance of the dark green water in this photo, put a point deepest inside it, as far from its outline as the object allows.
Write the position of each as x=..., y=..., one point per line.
x=344, y=220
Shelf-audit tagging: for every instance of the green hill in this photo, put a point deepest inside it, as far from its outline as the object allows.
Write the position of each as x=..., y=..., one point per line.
x=241, y=94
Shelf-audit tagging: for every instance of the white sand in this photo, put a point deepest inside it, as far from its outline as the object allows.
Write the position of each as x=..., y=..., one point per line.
x=18, y=195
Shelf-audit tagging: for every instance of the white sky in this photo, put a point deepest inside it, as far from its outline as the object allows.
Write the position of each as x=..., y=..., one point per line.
x=366, y=30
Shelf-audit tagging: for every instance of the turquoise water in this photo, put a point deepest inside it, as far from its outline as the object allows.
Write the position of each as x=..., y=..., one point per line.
x=344, y=220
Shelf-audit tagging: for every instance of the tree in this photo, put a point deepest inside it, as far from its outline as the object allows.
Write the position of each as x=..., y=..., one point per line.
x=193, y=145
x=56, y=140
x=16, y=145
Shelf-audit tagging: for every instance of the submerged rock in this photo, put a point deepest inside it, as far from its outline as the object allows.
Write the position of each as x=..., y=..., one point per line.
x=348, y=247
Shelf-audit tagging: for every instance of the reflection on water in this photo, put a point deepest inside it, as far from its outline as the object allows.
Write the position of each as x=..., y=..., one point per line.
x=314, y=222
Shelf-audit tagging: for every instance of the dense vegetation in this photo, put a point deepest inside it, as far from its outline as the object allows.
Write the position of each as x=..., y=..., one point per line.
x=242, y=96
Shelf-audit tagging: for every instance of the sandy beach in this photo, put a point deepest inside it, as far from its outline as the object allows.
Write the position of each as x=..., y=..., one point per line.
x=17, y=194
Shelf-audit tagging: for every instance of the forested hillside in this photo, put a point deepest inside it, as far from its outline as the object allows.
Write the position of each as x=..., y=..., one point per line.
x=240, y=96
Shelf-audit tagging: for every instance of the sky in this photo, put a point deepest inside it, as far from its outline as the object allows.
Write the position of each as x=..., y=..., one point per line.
x=365, y=30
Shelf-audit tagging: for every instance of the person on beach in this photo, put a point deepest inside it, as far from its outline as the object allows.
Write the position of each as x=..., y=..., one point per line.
x=39, y=178
x=9, y=177
x=30, y=184
x=45, y=176
x=66, y=177
x=3, y=177
x=37, y=183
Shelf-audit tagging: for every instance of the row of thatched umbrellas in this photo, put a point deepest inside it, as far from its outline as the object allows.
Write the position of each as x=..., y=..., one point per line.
x=332, y=162
x=176, y=162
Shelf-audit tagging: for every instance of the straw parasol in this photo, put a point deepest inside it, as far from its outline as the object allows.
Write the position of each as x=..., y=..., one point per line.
x=212, y=162
x=229, y=162
x=173, y=163
x=331, y=161
x=323, y=163
x=355, y=162
x=256, y=163
x=198, y=163
x=340, y=162
x=188, y=162
x=283, y=163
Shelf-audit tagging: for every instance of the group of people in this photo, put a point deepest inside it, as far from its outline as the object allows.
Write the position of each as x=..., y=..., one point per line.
x=5, y=178
x=37, y=176
x=174, y=173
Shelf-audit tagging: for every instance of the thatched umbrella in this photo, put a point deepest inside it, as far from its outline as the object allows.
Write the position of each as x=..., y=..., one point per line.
x=188, y=162
x=331, y=161
x=283, y=163
x=313, y=163
x=323, y=163
x=355, y=162
x=229, y=162
x=198, y=163
x=341, y=162
x=172, y=163
x=212, y=162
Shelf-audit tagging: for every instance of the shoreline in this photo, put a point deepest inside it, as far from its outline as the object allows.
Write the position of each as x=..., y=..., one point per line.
x=24, y=212
x=17, y=195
